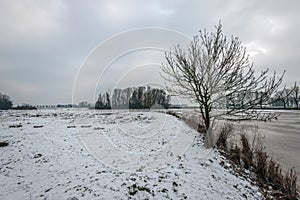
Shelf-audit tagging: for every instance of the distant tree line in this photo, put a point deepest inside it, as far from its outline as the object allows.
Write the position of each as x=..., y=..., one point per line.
x=46, y=106
x=133, y=98
x=5, y=102
x=287, y=98
x=25, y=107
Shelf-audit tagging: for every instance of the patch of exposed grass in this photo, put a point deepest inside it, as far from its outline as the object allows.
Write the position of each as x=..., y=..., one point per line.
x=134, y=189
x=16, y=126
x=3, y=143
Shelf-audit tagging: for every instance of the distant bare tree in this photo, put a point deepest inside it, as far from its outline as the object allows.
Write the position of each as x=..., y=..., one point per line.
x=283, y=96
x=5, y=102
x=214, y=68
x=295, y=94
x=107, y=102
x=99, y=103
x=84, y=104
x=145, y=98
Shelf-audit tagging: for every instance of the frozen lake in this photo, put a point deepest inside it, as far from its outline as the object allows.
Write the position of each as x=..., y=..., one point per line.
x=282, y=138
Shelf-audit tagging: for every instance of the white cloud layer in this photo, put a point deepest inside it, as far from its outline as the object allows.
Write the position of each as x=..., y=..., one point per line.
x=43, y=43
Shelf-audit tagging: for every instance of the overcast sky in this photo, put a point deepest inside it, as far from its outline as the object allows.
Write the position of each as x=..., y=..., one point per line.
x=45, y=45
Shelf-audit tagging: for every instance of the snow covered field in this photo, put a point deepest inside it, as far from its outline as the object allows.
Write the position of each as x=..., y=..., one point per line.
x=88, y=154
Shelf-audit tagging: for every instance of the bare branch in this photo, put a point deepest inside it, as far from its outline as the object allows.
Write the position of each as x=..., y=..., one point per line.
x=216, y=72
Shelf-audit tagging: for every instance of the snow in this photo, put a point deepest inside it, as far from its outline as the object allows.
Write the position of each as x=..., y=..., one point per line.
x=88, y=154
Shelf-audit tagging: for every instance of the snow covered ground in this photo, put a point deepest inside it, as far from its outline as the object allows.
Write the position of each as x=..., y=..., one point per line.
x=88, y=154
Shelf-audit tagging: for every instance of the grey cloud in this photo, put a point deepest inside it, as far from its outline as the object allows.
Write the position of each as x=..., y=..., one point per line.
x=43, y=44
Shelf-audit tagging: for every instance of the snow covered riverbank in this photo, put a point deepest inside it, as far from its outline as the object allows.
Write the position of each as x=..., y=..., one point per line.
x=87, y=154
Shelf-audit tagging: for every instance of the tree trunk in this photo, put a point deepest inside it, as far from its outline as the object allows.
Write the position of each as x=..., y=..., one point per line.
x=297, y=103
x=284, y=104
x=207, y=117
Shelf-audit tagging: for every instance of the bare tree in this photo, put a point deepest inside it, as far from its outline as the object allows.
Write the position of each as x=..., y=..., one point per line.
x=283, y=96
x=84, y=104
x=5, y=102
x=214, y=69
x=295, y=95
x=99, y=103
